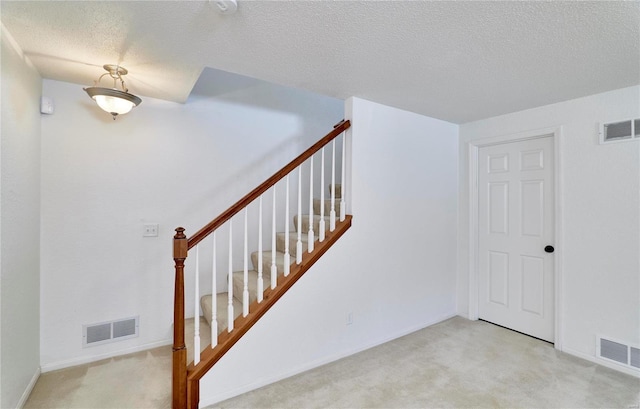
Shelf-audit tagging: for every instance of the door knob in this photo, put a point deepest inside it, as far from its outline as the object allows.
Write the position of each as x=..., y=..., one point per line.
x=549, y=249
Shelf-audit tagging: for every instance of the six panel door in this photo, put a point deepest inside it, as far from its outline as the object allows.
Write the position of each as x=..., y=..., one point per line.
x=515, y=224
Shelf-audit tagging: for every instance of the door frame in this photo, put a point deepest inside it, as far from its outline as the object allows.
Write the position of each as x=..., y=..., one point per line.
x=472, y=160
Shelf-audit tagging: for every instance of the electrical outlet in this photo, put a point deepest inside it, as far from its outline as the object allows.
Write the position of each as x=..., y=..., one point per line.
x=150, y=230
x=350, y=318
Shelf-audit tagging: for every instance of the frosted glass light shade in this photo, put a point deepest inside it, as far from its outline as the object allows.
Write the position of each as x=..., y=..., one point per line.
x=113, y=105
x=112, y=100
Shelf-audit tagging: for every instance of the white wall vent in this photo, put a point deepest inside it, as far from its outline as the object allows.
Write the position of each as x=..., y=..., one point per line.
x=111, y=331
x=634, y=358
x=620, y=131
x=618, y=352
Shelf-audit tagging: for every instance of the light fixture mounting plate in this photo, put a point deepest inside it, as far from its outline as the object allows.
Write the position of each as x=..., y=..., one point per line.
x=226, y=6
x=115, y=70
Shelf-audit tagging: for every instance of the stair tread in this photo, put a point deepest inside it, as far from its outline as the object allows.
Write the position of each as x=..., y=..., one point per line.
x=338, y=191
x=238, y=284
x=316, y=222
x=222, y=303
x=317, y=204
x=266, y=260
x=293, y=235
x=266, y=255
x=293, y=242
x=315, y=217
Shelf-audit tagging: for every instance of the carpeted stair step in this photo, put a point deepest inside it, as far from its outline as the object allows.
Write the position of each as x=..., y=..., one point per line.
x=338, y=190
x=316, y=223
x=293, y=240
x=238, y=283
x=327, y=206
x=266, y=261
x=222, y=303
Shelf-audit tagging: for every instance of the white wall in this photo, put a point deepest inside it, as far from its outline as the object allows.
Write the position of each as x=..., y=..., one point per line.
x=600, y=224
x=394, y=269
x=19, y=224
x=166, y=163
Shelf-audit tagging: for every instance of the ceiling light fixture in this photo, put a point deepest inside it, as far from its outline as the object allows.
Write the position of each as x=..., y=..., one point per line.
x=113, y=100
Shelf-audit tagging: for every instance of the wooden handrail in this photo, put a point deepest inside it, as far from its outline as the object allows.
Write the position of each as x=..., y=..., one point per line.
x=262, y=188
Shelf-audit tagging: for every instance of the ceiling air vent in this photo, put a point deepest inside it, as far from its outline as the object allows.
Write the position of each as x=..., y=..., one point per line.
x=618, y=352
x=105, y=332
x=619, y=131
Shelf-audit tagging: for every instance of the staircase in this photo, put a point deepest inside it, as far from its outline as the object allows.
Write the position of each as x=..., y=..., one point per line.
x=222, y=298
x=252, y=292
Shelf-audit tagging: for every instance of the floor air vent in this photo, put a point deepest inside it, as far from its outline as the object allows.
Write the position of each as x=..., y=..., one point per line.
x=105, y=332
x=619, y=352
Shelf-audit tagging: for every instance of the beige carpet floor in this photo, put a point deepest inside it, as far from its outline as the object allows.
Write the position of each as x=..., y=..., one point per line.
x=457, y=363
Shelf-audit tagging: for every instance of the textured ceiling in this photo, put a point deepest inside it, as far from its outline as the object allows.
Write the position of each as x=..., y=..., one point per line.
x=457, y=61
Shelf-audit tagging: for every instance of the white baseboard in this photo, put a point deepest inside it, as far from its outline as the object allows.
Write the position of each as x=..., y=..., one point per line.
x=27, y=392
x=211, y=400
x=603, y=362
x=93, y=358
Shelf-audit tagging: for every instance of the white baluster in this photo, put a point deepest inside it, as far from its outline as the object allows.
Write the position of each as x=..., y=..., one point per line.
x=245, y=290
x=321, y=227
x=214, y=303
x=299, y=242
x=286, y=229
x=332, y=213
x=230, y=314
x=196, y=317
x=274, y=269
x=311, y=235
x=343, y=207
x=260, y=282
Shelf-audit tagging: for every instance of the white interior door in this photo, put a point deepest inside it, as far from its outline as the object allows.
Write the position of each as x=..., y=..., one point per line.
x=515, y=224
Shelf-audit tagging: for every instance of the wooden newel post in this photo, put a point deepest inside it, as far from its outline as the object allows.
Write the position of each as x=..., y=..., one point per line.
x=179, y=378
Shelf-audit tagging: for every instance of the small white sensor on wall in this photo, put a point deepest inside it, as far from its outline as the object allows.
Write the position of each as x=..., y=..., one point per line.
x=46, y=105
